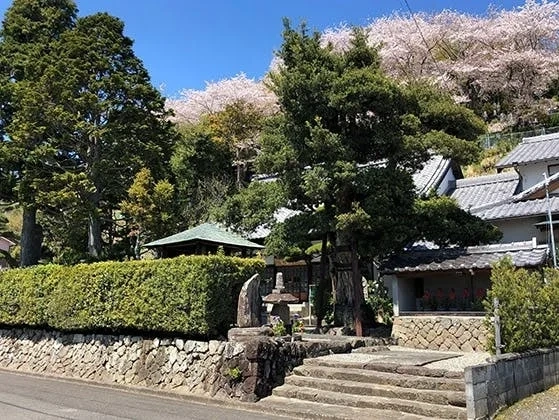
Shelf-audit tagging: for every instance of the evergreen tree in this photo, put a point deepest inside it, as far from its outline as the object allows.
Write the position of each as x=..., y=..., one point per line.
x=109, y=120
x=347, y=145
x=30, y=31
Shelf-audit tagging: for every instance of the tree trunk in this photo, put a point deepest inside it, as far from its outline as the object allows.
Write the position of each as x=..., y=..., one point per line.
x=31, y=238
x=324, y=289
x=343, y=283
x=94, y=234
x=94, y=226
x=358, y=297
x=137, y=246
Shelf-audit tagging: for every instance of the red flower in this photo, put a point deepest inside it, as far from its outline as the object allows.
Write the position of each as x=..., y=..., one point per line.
x=452, y=294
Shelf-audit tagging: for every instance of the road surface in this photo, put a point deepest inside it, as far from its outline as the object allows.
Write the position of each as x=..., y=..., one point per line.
x=33, y=397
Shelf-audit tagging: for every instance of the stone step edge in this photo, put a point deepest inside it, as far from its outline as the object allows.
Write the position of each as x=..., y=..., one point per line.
x=387, y=367
x=378, y=377
x=431, y=396
x=391, y=404
x=322, y=411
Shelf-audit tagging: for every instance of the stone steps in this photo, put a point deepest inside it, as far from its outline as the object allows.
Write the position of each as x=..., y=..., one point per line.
x=454, y=398
x=385, y=367
x=396, y=379
x=332, y=384
x=370, y=402
x=321, y=411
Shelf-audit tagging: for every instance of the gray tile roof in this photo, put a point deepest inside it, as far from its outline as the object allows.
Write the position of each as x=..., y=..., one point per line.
x=532, y=149
x=523, y=254
x=518, y=209
x=482, y=190
x=431, y=175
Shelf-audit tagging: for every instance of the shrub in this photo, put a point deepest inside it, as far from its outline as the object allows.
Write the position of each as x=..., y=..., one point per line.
x=194, y=295
x=528, y=307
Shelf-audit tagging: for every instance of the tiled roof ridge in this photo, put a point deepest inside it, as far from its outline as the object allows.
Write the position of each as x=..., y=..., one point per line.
x=520, y=197
x=541, y=138
x=486, y=179
x=482, y=249
x=504, y=247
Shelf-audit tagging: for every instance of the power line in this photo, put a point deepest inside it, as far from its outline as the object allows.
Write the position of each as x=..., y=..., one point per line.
x=412, y=14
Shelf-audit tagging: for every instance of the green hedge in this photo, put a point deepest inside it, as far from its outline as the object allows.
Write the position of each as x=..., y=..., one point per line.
x=194, y=295
x=528, y=307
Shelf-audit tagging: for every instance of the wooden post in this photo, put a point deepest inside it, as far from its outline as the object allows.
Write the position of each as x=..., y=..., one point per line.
x=497, y=322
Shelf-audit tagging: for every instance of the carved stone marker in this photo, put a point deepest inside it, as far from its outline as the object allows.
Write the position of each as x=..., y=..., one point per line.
x=250, y=303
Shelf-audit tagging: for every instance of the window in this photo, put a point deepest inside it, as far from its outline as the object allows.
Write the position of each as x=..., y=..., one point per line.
x=552, y=169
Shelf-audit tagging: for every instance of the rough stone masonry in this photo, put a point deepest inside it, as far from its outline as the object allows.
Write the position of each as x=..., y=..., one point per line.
x=245, y=370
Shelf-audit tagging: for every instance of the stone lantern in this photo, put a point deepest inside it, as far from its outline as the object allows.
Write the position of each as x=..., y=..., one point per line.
x=280, y=301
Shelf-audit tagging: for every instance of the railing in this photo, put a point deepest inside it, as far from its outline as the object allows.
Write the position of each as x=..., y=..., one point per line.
x=489, y=140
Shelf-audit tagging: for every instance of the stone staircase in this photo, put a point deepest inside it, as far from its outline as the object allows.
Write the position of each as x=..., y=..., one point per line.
x=324, y=388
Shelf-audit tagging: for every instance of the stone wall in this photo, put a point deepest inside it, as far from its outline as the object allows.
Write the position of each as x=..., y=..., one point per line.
x=509, y=378
x=454, y=333
x=226, y=369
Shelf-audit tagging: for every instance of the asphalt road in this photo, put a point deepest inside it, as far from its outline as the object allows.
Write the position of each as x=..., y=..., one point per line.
x=32, y=397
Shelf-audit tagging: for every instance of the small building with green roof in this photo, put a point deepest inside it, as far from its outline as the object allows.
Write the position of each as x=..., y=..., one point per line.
x=203, y=239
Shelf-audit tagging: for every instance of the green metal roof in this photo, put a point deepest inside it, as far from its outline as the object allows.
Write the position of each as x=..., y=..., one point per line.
x=207, y=232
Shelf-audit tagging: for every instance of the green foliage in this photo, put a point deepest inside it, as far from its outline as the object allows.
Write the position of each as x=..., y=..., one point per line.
x=150, y=206
x=439, y=219
x=278, y=327
x=253, y=206
x=202, y=168
x=379, y=302
x=528, y=307
x=235, y=374
x=194, y=295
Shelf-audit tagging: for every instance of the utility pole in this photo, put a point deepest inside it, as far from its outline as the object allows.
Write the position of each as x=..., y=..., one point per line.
x=553, y=252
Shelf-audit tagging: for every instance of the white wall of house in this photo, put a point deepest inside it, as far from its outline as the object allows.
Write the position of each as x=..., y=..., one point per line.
x=532, y=174
x=523, y=229
x=404, y=288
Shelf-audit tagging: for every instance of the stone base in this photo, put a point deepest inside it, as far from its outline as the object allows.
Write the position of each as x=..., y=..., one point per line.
x=244, y=334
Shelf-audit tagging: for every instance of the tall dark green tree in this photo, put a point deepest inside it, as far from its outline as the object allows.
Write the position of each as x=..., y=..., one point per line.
x=109, y=120
x=347, y=145
x=30, y=31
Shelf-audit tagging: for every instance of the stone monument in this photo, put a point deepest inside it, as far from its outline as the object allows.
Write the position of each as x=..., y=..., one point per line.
x=250, y=303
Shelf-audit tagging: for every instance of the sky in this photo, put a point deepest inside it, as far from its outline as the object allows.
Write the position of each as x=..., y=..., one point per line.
x=186, y=43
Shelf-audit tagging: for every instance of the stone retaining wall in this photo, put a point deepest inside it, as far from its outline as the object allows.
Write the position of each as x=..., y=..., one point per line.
x=509, y=378
x=454, y=333
x=226, y=369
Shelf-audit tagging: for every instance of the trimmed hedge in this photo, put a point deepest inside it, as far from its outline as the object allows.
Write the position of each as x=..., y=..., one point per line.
x=528, y=307
x=189, y=295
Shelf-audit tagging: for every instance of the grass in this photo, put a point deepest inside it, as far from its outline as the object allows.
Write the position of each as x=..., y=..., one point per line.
x=543, y=403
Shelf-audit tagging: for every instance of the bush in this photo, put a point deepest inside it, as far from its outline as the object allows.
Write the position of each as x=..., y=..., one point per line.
x=528, y=307
x=193, y=296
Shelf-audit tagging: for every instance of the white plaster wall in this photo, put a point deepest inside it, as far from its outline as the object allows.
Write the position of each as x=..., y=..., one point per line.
x=523, y=229
x=533, y=173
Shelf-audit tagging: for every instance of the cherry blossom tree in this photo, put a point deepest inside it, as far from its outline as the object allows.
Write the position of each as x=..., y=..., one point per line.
x=193, y=104
x=501, y=63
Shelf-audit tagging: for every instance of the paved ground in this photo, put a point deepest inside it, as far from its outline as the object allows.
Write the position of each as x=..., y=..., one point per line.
x=32, y=397
x=542, y=406
x=452, y=361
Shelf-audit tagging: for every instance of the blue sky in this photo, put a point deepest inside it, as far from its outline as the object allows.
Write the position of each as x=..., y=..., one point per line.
x=184, y=43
